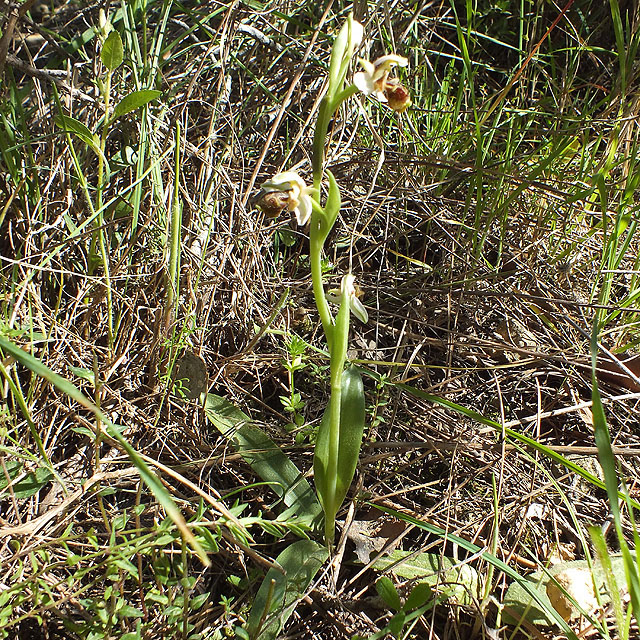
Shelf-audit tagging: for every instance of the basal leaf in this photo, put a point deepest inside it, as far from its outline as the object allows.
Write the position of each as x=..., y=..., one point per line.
x=265, y=457
x=487, y=557
x=458, y=581
x=279, y=593
x=352, y=420
x=519, y=602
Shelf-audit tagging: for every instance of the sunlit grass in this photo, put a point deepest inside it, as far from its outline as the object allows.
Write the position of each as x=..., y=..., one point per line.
x=494, y=224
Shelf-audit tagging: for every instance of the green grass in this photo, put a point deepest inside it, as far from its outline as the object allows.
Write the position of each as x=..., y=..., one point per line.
x=492, y=226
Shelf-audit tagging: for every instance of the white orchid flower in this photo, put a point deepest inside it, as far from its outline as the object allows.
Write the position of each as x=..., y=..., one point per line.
x=349, y=287
x=292, y=193
x=374, y=79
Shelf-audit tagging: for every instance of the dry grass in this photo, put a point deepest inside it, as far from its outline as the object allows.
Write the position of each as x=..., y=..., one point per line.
x=476, y=294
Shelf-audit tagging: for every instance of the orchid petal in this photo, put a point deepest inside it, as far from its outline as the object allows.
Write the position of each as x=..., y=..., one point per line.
x=364, y=82
x=389, y=61
x=358, y=310
x=303, y=210
x=284, y=181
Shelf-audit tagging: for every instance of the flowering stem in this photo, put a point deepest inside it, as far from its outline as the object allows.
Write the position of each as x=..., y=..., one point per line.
x=328, y=106
x=316, y=242
x=319, y=139
x=338, y=355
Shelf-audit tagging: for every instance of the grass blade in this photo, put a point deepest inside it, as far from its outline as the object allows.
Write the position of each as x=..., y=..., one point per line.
x=152, y=481
x=530, y=442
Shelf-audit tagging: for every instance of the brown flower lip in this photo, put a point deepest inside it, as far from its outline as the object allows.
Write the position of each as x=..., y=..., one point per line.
x=294, y=195
x=398, y=97
x=272, y=203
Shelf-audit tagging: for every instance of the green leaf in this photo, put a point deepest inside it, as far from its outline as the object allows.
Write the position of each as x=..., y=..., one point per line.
x=279, y=593
x=208, y=540
x=338, y=50
x=396, y=624
x=418, y=596
x=388, y=592
x=71, y=125
x=128, y=611
x=240, y=633
x=458, y=581
x=352, y=419
x=198, y=601
x=27, y=486
x=346, y=42
x=75, y=126
x=152, y=481
x=133, y=101
x=112, y=53
x=127, y=566
x=265, y=457
x=84, y=374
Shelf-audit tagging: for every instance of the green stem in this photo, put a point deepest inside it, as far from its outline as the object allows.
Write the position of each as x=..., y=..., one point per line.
x=320, y=139
x=103, y=144
x=338, y=357
x=316, y=243
x=328, y=106
x=176, y=225
x=99, y=235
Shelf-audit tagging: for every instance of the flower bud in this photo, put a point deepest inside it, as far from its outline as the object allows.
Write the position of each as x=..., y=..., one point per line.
x=104, y=24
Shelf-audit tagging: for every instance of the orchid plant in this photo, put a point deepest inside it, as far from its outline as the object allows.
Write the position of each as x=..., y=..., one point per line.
x=340, y=434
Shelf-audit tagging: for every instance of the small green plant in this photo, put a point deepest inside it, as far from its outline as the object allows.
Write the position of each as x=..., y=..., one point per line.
x=406, y=613
x=293, y=403
x=111, y=57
